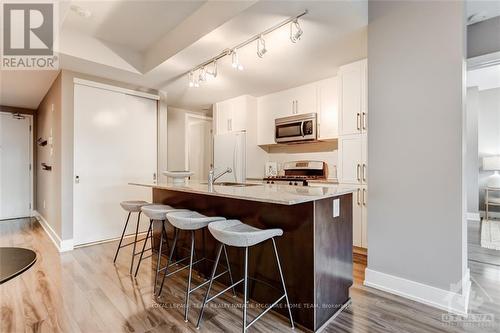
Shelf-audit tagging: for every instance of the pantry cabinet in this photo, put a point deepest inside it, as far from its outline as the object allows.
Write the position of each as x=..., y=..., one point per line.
x=359, y=216
x=352, y=159
x=353, y=117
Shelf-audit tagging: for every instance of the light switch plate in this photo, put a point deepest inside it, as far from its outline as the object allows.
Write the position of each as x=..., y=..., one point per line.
x=336, y=207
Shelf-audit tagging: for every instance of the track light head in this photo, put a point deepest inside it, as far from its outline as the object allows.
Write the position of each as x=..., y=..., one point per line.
x=191, y=79
x=261, y=46
x=202, y=77
x=213, y=73
x=235, y=62
x=295, y=35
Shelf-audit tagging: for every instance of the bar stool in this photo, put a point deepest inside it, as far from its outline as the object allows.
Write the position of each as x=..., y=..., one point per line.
x=131, y=207
x=236, y=233
x=155, y=213
x=190, y=221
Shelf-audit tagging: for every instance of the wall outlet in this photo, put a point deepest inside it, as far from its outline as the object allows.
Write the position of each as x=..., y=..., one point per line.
x=336, y=207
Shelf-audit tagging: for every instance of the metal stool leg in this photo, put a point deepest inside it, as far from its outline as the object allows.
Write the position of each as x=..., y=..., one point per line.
x=135, y=242
x=170, y=256
x=245, y=290
x=144, y=247
x=188, y=289
x=200, y=316
x=283, y=282
x=121, y=239
x=159, y=255
x=229, y=269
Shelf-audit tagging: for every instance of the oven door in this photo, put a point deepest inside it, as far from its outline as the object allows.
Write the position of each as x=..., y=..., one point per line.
x=293, y=131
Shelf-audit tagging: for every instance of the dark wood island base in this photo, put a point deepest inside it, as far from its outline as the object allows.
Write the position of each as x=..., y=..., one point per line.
x=315, y=250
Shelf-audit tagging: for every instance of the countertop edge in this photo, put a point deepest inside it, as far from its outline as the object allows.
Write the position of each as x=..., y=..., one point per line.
x=234, y=196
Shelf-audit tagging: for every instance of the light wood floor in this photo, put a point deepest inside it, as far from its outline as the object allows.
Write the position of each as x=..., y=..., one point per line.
x=82, y=291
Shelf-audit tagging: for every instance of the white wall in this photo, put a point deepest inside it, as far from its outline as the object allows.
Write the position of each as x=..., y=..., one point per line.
x=489, y=134
x=416, y=88
x=176, y=128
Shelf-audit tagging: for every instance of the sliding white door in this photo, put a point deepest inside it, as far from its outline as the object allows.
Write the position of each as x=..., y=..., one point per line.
x=15, y=166
x=115, y=143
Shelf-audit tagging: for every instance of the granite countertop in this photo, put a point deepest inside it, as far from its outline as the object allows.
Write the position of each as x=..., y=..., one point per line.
x=270, y=193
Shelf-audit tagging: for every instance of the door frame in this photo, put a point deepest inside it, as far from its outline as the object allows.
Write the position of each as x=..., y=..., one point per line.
x=187, y=117
x=31, y=149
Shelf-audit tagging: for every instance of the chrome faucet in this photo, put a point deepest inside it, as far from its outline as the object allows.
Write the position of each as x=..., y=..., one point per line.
x=212, y=177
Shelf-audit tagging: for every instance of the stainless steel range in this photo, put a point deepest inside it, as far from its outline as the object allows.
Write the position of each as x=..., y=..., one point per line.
x=299, y=173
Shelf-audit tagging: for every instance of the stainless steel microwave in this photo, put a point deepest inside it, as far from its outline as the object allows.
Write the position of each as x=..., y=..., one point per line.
x=302, y=127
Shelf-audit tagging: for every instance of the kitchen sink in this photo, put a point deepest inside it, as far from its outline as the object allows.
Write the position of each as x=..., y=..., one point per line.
x=234, y=184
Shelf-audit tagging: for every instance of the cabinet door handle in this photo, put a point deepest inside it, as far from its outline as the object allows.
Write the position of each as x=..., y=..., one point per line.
x=296, y=107
x=293, y=107
x=364, y=120
x=358, y=171
x=364, y=172
x=357, y=197
x=229, y=125
x=364, y=197
x=358, y=121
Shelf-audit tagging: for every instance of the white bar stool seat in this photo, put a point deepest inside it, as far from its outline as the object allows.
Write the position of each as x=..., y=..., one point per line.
x=131, y=207
x=190, y=221
x=236, y=233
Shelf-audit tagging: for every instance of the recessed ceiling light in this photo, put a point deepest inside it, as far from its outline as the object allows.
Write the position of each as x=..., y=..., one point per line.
x=81, y=11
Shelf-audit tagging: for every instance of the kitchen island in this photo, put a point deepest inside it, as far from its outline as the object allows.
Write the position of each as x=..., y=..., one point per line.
x=315, y=249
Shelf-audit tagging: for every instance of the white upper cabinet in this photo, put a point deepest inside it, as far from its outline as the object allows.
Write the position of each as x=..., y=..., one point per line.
x=230, y=115
x=317, y=97
x=327, y=99
x=353, y=98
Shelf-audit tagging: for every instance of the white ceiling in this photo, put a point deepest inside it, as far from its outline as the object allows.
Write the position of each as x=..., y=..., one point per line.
x=153, y=44
x=484, y=78
x=24, y=89
x=480, y=10
x=132, y=24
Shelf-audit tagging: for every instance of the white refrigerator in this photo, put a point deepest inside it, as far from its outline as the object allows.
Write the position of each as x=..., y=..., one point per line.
x=230, y=152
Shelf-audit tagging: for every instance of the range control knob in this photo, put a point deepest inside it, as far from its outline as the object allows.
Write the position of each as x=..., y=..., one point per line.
x=290, y=183
x=295, y=184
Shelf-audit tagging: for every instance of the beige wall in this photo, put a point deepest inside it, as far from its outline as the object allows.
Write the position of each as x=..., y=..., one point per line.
x=48, y=193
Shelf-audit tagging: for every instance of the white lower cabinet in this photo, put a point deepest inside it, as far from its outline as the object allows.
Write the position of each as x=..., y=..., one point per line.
x=359, y=216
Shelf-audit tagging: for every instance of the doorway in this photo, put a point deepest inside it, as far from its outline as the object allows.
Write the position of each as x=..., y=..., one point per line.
x=16, y=160
x=199, y=157
x=483, y=189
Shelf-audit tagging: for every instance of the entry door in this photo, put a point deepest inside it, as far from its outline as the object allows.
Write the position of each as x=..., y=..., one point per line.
x=115, y=143
x=15, y=167
x=199, y=147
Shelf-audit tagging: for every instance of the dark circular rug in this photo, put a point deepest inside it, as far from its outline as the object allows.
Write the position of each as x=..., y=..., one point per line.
x=14, y=261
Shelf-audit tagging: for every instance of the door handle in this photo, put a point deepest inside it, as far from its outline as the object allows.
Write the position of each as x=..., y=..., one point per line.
x=358, y=121
x=364, y=197
x=293, y=107
x=364, y=120
x=296, y=107
x=358, y=171
x=357, y=197
x=229, y=124
x=364, y=172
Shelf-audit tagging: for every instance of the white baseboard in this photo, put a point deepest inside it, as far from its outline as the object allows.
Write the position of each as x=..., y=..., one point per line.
x=61, y=245
x=473, y=217
x=451, y=301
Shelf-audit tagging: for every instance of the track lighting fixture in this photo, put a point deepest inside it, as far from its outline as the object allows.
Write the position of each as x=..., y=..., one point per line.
x=202, y=76
x=191, y=79
x=213, y=73
x=208, y=70
x=235, y=61
x=261, y=46
x=295, y=36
